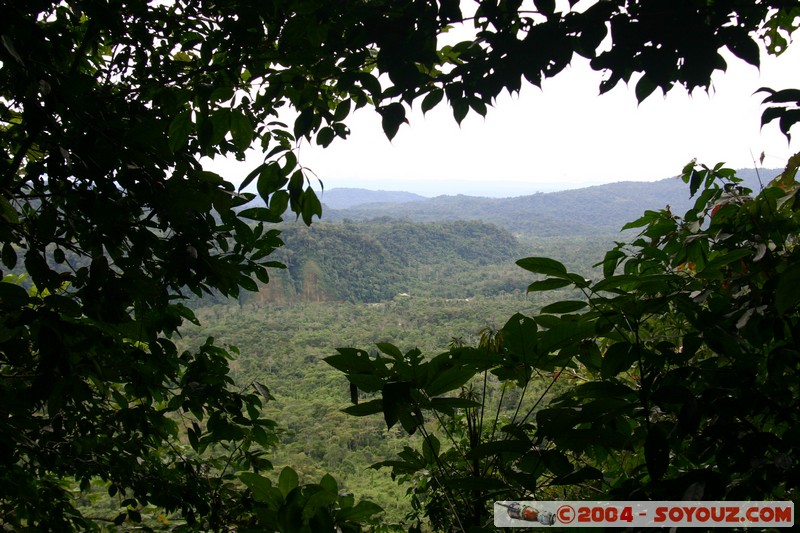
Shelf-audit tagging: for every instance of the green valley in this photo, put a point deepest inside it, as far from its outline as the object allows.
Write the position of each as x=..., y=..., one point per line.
x=358, y=283
x=414, y=284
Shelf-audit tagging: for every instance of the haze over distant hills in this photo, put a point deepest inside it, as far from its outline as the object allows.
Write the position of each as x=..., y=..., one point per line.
x=347, y=197
x=600, y=209
x=490, y=188
x=371, y=246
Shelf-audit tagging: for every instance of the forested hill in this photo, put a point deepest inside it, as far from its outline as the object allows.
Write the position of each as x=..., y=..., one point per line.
x=601, y=209
x=376, y=261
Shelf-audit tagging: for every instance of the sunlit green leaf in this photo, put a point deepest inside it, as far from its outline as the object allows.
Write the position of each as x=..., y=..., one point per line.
x=261, y=486
x=648, y=218
x=318, y=501
x=287, y=481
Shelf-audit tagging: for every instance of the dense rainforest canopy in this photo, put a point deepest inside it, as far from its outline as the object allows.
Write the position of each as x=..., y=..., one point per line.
x=108, y=109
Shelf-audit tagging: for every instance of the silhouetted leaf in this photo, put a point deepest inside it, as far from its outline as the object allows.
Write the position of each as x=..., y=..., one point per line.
x=396, y=401
x=656, y=452
x=787, y=293
x=432, y=99
x=644, y=88
x=241, y=130
x=448, y=380
x=544, y=265
x=548, y=284
x=557, y=462
x=546, y=7
x=304, y=123
x=361, y=512
x=13, y=295
x=475, y=483
x=490, y=449
x=743, y=46
x=9, y=256
x=392, y=115
x=350, y=360
x=587, y=473
x=311, y=206
x=365, y=409
x=325, y=136
x=618, y=358
x=270, y=179
x=179, y=130
x=564, y=306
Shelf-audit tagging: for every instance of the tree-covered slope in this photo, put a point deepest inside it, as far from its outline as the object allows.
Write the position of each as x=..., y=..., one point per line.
x=374, y=261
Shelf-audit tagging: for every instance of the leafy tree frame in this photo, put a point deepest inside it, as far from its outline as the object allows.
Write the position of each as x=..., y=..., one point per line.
x=107, y=109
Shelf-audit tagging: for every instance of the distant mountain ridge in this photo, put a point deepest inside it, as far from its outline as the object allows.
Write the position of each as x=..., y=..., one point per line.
x=600, y=209
x=455, y=246
x=347, y=197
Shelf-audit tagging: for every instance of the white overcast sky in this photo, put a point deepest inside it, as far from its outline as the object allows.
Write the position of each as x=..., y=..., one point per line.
x=561, y=136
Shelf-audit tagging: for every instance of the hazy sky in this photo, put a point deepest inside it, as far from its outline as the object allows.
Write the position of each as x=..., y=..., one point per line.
x=562, y=136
